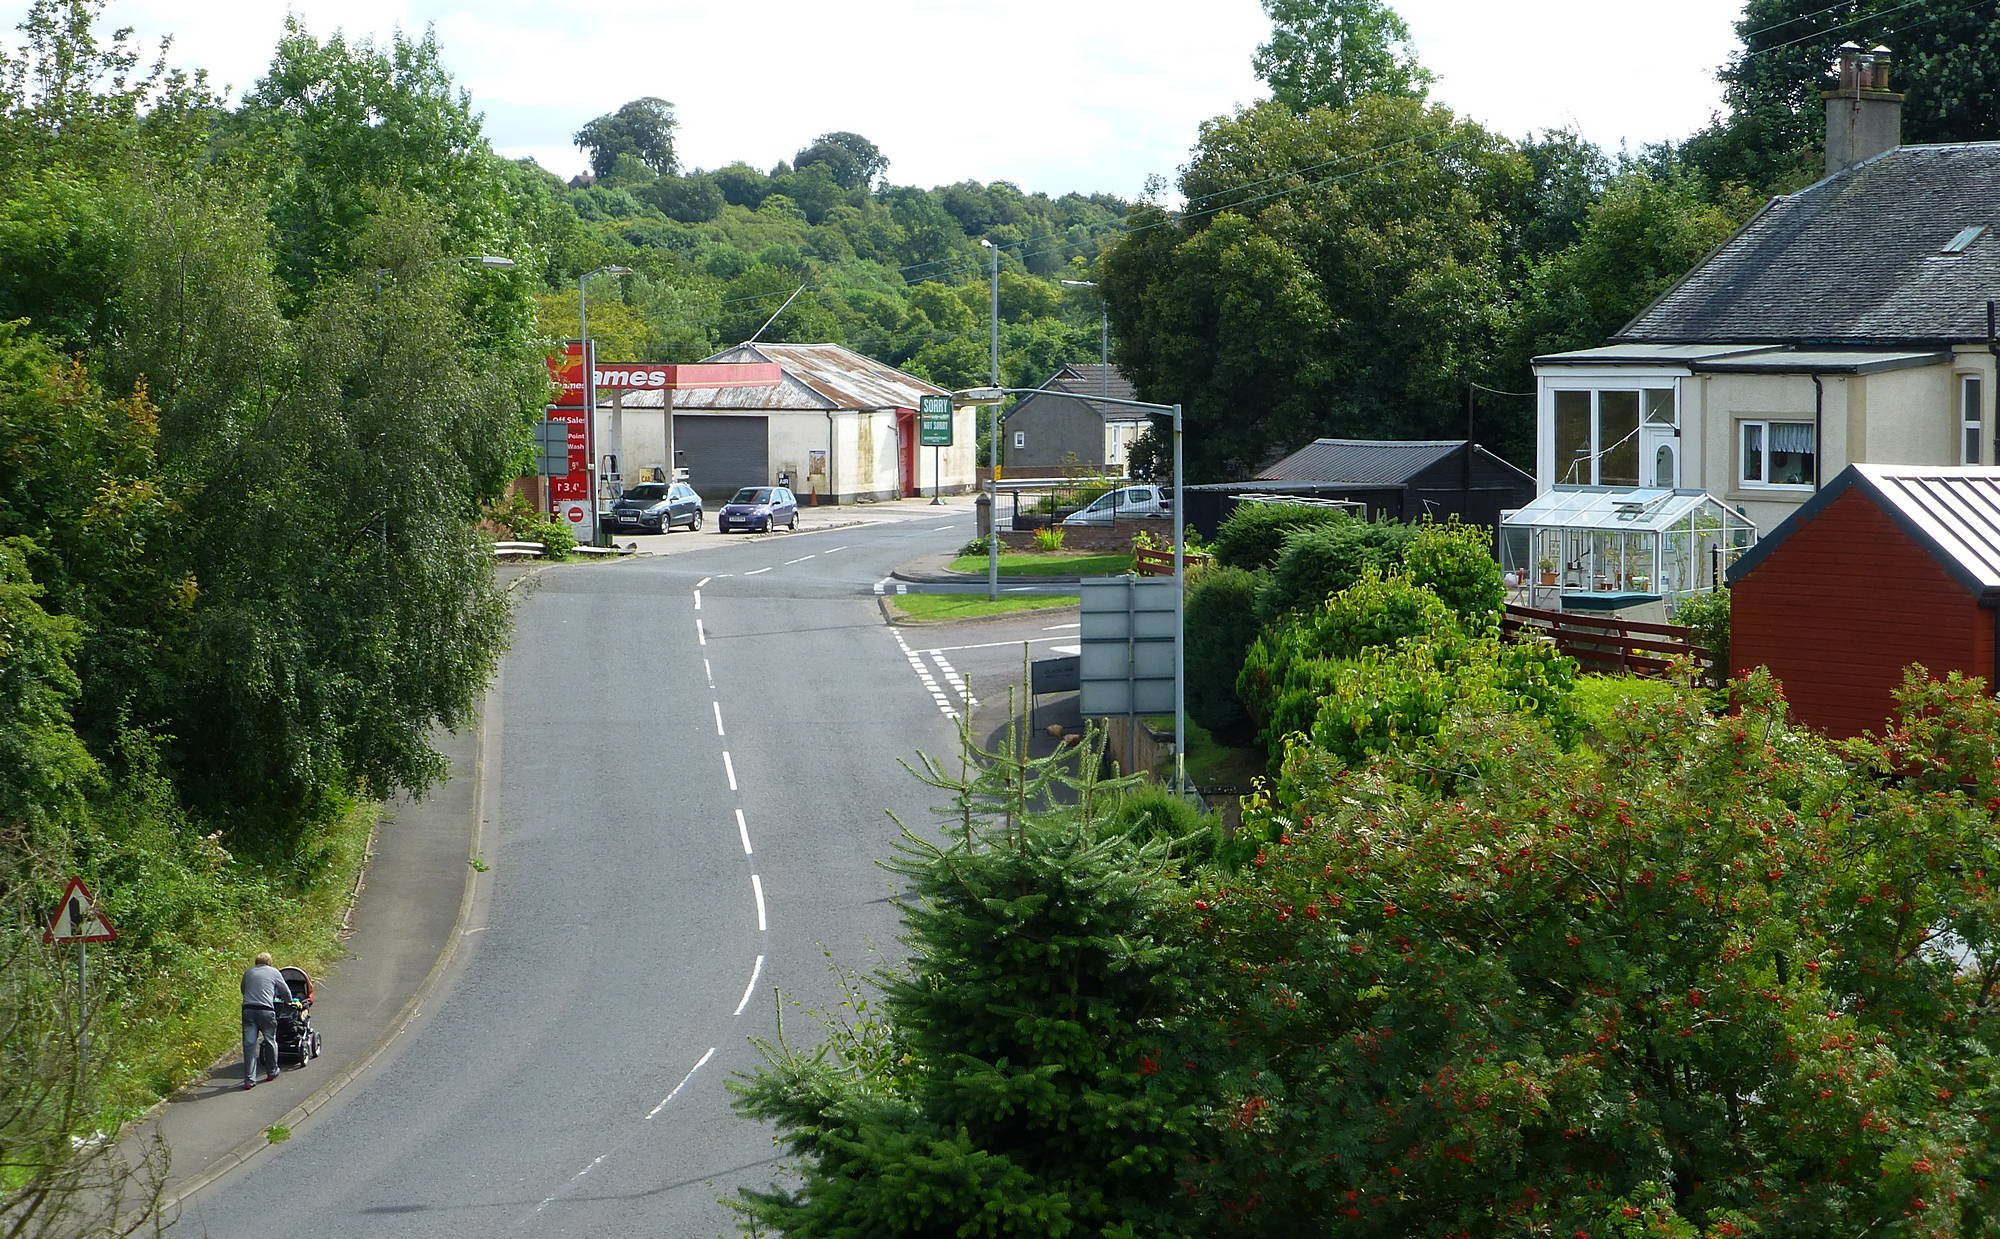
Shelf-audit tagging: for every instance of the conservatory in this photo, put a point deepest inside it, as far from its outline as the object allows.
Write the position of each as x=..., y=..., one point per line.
x=1632, y=551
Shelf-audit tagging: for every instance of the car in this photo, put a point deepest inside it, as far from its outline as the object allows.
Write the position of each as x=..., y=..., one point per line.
x=655, y=507
x=1124, y=501
x=759, y=509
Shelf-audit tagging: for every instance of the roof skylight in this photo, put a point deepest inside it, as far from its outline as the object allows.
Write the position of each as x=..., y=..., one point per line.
x=1963, y=241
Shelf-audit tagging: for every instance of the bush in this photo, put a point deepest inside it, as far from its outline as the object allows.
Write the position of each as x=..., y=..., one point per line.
x=1320, y=561
x=1376, y=610
x=1254, y=533
x=975, y=547
x=1150, y=813
x=1048, y=538
x=1707, y=614
x=1221, y=622
x=1455, y=562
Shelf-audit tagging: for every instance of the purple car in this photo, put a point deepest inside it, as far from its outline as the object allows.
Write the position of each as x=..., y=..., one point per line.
x=759, y=509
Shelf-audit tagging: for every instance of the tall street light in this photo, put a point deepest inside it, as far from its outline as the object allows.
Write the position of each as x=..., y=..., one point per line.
x=993, y=469
x=1103, y=333
x=590, y=389
x=994, y=396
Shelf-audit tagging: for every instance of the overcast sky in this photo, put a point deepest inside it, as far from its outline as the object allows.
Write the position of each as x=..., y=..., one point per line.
x=1053, y=95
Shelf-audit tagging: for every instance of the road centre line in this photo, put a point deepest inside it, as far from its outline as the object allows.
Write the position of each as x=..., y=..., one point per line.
x=705, y=580
x=843, y=546
x=757, y=888
x=729, y=767
x=1061, y=627
x=700, y=633
x=683, y=1084
x=708, y=672
x=759, y=571
x=718, y=718
x=755, y=972
x=743, y=830
x=697, y=600
x=801, y=559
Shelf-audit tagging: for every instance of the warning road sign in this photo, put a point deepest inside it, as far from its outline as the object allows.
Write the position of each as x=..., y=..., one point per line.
x=77, y=918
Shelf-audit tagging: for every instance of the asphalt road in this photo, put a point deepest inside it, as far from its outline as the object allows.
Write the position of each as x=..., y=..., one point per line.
x=689, y=761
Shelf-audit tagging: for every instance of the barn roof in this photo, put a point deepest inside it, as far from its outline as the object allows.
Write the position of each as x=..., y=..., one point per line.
x=1953, y=512
x=1897, y=249
x=817, y=378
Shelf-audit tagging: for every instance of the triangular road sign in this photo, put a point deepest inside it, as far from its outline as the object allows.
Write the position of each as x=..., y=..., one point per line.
x=77, y=918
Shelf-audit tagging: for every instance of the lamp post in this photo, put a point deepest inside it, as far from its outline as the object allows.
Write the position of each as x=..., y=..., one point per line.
x=590, y=389
x=993, y=396
x=993, y=465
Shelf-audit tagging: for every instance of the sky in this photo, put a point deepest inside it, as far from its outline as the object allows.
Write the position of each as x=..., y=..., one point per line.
x=1053, y=95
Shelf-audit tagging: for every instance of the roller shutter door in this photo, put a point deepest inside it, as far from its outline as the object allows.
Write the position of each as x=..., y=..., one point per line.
x=724, y=453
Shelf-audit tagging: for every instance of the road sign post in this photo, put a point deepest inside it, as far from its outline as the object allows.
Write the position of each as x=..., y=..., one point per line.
x=78, y=920
x=934, y=432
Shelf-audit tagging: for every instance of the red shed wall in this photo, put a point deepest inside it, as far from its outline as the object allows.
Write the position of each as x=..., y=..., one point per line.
x=1843, y=605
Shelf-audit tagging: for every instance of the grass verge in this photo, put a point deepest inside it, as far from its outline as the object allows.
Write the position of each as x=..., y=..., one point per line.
x=1021, y=563
x=941, y=608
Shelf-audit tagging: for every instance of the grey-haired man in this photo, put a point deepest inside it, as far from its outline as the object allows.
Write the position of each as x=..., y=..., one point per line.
x=263, y=989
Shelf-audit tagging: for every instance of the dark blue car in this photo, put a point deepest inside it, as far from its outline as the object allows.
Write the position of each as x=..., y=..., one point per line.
x=759, y=509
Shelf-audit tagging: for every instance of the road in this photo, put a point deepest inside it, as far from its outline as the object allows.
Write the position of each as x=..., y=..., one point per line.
x=689, y=761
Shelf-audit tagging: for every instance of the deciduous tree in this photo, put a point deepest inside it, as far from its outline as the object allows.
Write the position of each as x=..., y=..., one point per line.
x=1330, y=53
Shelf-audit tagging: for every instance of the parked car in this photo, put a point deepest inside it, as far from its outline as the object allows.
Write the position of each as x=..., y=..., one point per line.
x=656, y=507
x=759, y=509
x=1125, y=501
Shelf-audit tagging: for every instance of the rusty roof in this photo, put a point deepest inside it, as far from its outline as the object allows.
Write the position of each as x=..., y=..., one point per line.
x=818, y=378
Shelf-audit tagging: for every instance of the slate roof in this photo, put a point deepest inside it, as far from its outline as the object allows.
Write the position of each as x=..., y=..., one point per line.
x=1365, y=462
x=1085, y=379
x=1854, y=259
x=817, y=378
x=1953, y=512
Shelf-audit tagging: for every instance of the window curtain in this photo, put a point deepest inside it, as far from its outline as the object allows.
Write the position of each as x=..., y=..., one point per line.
x=1792, y=437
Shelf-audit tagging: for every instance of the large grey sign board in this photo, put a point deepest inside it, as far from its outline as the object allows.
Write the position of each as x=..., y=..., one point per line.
x=1126, y=665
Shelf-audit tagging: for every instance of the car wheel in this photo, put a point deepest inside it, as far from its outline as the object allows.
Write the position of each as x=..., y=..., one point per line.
x=794, y=526
x=694, y=521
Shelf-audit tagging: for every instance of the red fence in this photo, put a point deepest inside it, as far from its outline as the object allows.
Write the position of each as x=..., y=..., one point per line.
x=1606, y=643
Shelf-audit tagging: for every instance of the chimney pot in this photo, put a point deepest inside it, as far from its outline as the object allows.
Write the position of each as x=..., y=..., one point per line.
x=1863, y=117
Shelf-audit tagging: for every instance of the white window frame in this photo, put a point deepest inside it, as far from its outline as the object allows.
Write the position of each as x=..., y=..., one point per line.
x=1970, y=400
x=1020, y=440
x=1595, y=382
x=1764, y=424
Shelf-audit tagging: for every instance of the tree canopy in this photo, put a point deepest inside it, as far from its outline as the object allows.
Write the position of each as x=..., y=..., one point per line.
x=1333, y=53
x=642, y=129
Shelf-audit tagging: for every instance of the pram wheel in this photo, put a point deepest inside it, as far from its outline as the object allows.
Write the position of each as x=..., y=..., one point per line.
x=314, y=1052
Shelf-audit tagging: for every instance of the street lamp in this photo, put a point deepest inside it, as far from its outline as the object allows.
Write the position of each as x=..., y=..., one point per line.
x=1103, y=332
x=993, y=396
x=590, y=388
x=993, y=464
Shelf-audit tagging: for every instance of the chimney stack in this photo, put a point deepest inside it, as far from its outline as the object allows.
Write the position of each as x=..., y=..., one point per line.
x=1863, y=116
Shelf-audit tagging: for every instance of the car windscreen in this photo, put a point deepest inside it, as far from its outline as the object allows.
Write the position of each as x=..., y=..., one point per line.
x=646, y=493
x=752, y=494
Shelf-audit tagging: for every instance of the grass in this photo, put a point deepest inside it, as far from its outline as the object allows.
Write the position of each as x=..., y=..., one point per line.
x=940, y=608
x=1021, y=563
x=1598, y=696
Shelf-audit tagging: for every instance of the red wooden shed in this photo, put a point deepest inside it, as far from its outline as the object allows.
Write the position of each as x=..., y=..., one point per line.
x=1886, y=566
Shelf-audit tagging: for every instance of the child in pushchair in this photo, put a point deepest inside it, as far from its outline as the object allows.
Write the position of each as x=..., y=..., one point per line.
x=298, y=1041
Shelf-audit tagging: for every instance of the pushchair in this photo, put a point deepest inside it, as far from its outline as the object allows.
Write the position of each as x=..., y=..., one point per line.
x=298, y=1040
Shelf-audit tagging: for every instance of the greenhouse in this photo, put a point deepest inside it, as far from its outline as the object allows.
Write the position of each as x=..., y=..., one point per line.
x=1634, y=551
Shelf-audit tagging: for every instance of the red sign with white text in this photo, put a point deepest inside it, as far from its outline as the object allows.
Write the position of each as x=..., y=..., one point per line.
x=651, y=376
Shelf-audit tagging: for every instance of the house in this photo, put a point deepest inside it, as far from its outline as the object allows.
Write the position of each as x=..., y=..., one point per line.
x=1060, y=427
x=1884, y=566
x=1392, y=479
x=1850, y=322
x=844, y=427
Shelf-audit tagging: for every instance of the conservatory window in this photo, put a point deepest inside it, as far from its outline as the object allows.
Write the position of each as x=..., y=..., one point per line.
x=1777, y=453
x=1968, y=417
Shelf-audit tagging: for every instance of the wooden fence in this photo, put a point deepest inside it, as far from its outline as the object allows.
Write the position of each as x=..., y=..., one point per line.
x=1606, y=643
x=1161, y=563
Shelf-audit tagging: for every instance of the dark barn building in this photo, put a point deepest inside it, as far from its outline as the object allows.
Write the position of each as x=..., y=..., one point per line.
x=1885, y=566
x=1400, y=480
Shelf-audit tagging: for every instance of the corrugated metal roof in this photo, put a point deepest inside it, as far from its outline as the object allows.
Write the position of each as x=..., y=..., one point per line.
x=818, y=378
x=1382, y=462
x=1953, y=511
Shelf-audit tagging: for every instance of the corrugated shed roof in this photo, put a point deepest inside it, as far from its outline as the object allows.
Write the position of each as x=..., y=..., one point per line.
x=1362, y=461
x=817, y=378
x=1951, y=511
x=1854, y=258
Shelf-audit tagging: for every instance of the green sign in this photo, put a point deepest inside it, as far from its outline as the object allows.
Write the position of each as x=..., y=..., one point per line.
x=934, y=418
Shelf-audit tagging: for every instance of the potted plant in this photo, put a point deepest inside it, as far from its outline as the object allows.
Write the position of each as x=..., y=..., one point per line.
x=1547, y=567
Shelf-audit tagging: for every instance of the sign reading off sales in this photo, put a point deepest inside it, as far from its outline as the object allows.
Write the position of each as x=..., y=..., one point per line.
x=934, y=421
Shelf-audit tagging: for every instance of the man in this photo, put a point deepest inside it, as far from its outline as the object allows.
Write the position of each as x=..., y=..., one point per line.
x=263, y=989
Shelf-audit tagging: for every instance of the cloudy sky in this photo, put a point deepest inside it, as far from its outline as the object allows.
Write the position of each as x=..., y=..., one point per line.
x=1053, y=95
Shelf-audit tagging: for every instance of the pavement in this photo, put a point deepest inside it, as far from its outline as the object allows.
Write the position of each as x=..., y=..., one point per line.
x=402, y=929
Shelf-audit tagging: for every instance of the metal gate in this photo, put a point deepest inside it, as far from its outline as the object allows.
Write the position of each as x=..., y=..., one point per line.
x=723, y=453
